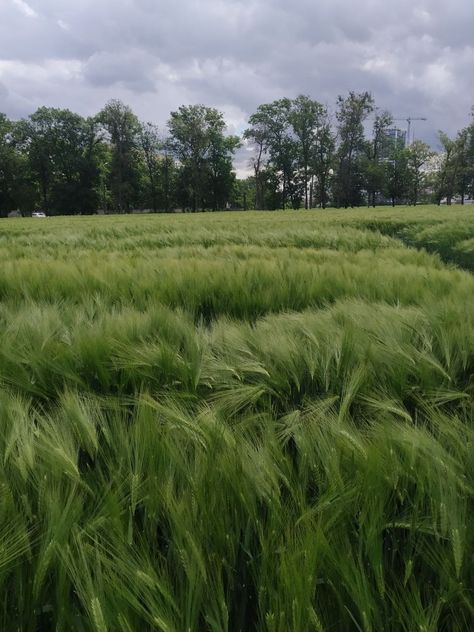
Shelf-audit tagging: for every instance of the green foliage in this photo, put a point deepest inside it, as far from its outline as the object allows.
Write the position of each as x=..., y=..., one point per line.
x=294, y=148
x=237, y=422
x=351, y=114
x=205, y=156
x=122, y=127
x=61, y=153
x=397, y=179
x=10, y=165
x=378, y=151
x=431, y=230
x=60, y=162
x=418, y=154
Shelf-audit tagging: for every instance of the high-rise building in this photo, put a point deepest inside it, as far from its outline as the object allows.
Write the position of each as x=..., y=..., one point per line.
x=397, y=134
x=394, y=138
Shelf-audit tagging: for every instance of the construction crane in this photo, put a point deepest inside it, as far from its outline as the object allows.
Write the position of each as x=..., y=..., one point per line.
x=409, y=119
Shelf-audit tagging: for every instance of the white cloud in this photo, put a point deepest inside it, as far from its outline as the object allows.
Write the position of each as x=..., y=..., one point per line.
x=51, y=70
x=416, y=56
x=63, y=25
x=25, y=8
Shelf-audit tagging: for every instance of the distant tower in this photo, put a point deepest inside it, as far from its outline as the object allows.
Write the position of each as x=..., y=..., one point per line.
x=393, y=138
x=398, y=135
x=409, y=119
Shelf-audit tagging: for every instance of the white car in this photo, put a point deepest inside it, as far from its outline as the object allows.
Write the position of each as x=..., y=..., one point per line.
x=38, y=214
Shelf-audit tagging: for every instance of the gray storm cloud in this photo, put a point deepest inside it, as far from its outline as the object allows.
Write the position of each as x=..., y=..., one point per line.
x=415, y=57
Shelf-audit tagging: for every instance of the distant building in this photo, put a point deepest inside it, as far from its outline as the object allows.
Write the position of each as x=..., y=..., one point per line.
x=394, y=138
x=396, y=134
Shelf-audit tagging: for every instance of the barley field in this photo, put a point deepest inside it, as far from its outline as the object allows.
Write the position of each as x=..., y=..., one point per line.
x=238, y=422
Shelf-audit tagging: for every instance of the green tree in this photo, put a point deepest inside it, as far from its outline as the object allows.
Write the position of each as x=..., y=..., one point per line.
x=36, y=136
x=450, y=163
x=258, y=135
x=151, y=144
x=396, y=179
x=377, y=151
x=271, y=131
x=244, y=193
x=305, y=117
x=465, y=158
x=205, y=156
x=122, y=128
x=221, y=177
x=90, y=154
x=418, y=155
x=12, y=168
x=323, y=159
x=351, y=114
x=294, y=152
x=469, y=170
x=168, y=174
x=61, y=151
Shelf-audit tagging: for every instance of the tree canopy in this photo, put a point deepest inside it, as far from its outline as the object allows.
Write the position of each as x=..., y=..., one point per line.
x=299, y=152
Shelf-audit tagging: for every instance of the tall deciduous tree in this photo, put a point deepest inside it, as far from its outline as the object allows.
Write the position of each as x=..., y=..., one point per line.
x=351, y=114
x=122, y=127
x=221, y=177
x=465, y=158
x=61, y=150
x=151, y=145
x=271, y=131
x=9, y=166
x=470, y=156
x=396, y=180
x=258, y=135
x=418, y=155
x=305, y=117
x=168, y=177
x=204, y=153
x=323, y=161
x=377, y=152
x=447, y=176
x=36, y=137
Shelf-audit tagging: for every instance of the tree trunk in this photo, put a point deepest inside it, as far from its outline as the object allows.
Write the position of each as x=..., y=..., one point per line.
x=306, y=187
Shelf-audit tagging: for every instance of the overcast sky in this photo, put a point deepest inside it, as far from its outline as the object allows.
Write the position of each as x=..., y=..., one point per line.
x=415, y=56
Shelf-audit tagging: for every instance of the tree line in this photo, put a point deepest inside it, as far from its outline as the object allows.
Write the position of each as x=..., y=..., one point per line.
x=302, y=155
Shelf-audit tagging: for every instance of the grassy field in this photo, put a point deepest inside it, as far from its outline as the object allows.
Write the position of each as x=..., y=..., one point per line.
x=235, y=422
